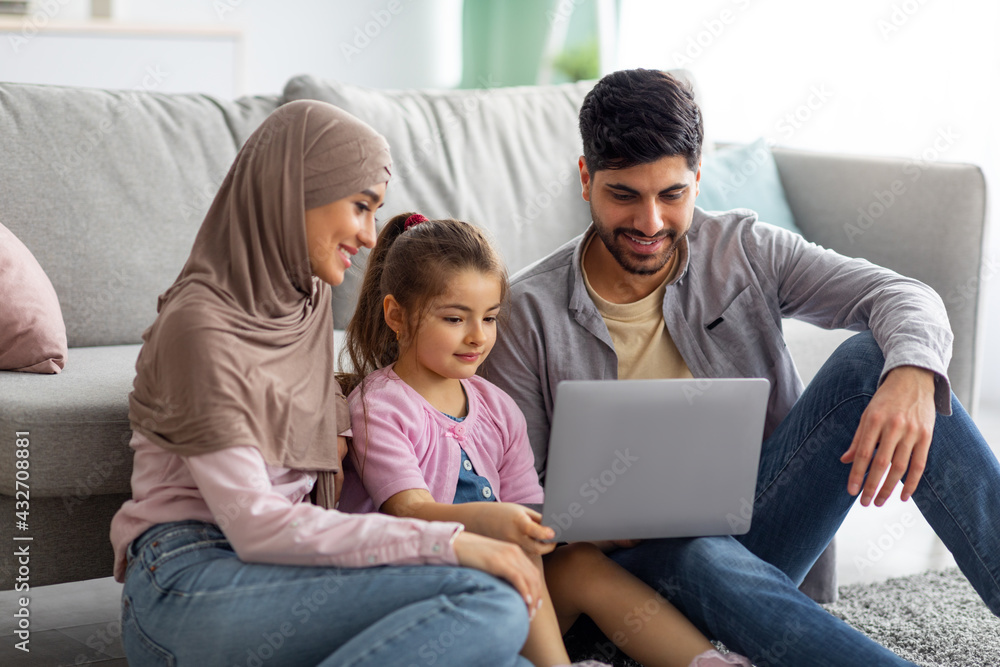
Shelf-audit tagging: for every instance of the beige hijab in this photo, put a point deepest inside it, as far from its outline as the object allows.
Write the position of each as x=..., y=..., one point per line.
x=241, y=352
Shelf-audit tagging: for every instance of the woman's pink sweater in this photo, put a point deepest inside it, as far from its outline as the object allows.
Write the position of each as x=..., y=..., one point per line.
x=266, y=513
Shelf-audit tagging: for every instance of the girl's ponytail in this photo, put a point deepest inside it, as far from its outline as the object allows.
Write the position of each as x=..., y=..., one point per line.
x=413, y=265
x=370, y=343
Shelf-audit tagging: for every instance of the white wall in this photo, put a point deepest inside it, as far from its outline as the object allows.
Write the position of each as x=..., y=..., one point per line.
x=856, y=76
x=388, y=43
x=377, y=43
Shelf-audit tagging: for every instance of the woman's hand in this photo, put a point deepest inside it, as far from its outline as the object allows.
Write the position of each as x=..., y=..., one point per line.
x=503, y=560
x=515, y=523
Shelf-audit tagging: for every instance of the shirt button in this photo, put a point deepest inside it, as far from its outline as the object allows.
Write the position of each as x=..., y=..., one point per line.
x=487, y=492
x=436, y=548
x=295, y=524
x=467, y=464
x=371, y=559
x=460, y=429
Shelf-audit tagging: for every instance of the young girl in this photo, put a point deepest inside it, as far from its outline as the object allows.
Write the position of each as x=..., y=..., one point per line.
x=236, y=422
x=431, y=437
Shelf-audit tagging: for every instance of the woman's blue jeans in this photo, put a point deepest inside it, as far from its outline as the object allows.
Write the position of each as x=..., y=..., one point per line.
x=743, y=590
x=188, y=600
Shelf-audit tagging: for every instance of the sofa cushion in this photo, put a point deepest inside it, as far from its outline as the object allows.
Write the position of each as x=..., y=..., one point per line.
x=108, y=189
x=745, y=177
x=501, y=158
x=810, y=345
x=33, y=336
x=77, y=423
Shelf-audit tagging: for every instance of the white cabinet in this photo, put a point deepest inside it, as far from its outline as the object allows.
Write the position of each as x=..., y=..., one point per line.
x=123, y=56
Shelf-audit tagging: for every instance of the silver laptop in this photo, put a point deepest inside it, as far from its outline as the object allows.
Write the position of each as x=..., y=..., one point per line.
x=653, y=458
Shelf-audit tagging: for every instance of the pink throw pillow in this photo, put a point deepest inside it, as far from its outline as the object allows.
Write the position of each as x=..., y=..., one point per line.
x=32, y=331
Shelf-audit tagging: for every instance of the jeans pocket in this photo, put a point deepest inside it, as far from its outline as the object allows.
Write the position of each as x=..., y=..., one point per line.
x=187, y=569
x=140, y=650
x=173, y=559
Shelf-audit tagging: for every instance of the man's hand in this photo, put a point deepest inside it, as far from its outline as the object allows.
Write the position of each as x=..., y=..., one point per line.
x=900, y=422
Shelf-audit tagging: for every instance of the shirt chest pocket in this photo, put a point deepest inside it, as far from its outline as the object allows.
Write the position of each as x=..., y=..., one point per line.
x=744, y=335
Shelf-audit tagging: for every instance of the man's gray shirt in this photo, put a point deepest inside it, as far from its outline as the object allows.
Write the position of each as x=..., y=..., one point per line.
x=749, y=274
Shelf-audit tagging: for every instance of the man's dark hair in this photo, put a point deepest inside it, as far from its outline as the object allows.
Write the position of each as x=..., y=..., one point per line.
x=639, y=116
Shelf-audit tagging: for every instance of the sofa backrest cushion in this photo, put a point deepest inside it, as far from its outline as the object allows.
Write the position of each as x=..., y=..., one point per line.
x=501, y=158
x=108, y=188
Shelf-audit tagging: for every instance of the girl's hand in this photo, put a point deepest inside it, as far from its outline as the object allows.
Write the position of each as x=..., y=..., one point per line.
x=338, y=477
x=612, y=545
x=502, y=560
x=515, y=523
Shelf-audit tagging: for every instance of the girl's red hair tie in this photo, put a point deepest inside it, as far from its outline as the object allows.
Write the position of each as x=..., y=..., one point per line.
x=414, y=219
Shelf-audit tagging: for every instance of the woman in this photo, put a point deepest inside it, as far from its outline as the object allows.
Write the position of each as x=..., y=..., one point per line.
x=236, y=416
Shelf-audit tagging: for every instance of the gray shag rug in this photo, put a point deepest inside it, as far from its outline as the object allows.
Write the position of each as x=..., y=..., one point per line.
x=934, y=619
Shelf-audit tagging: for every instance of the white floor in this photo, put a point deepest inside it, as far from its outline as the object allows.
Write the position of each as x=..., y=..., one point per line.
x=77, y=623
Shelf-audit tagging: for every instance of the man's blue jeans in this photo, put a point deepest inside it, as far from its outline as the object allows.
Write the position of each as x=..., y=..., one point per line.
x=742, y=590
x=188, y=600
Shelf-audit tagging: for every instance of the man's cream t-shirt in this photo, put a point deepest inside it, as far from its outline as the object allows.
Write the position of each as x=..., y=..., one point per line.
x=643, y=344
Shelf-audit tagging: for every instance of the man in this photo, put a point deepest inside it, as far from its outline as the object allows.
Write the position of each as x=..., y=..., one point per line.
x=658, y=288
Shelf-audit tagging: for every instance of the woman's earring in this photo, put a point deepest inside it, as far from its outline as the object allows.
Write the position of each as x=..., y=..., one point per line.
x=397, y=335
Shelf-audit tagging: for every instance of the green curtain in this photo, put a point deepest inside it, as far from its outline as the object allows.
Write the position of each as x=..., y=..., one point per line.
x=503, y=41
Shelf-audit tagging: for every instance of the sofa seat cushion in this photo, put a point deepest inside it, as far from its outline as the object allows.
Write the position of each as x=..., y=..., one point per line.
x=77, y=423
x=811, y=346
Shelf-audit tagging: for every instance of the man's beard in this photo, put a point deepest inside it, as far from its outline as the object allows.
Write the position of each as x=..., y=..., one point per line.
x=640, y=265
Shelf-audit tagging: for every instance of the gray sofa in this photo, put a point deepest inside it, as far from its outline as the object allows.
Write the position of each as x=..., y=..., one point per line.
x=107, y=189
